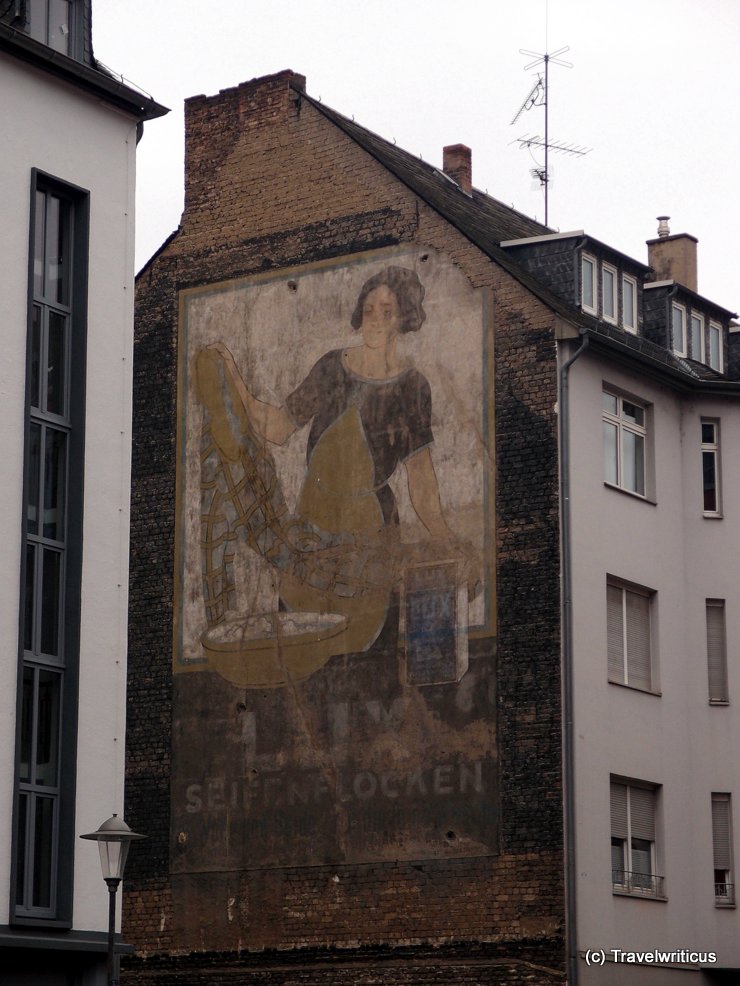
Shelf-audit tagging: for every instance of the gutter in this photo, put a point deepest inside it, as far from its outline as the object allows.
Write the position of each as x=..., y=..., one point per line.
x=569, y=798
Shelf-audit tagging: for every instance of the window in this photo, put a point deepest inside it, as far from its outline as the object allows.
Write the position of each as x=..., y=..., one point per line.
x=633, y=840
x=717, y=652
x=697, y=338
x=679, y=329
x=715, y=346
x=629, y=303
x=710, y=467
x=609, y=293
x=50, y=581
x=724, y=888
x=588, y=284
x=625, y=436
x=629, y=635
x=49, y=21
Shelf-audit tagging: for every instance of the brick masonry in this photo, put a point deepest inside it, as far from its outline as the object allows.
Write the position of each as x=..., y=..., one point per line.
x=272, y=184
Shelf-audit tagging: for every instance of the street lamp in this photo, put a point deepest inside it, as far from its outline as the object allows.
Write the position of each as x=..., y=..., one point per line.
x=113, y=838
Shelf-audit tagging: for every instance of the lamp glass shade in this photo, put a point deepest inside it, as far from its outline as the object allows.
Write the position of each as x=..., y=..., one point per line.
x=113, y=839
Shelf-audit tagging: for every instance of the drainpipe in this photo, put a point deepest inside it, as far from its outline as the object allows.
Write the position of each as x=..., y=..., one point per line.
x=571, y=937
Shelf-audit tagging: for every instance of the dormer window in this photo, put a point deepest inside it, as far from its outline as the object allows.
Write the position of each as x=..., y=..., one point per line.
x=715, y=346
x=47, y=21
x=678, y=317
x=609, y=293
x=588, y=284
x=629, y=303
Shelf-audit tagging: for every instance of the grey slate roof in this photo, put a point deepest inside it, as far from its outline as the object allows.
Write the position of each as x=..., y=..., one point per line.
x=487, y=223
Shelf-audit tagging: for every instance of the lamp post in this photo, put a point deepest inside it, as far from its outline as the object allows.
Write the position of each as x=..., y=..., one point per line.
x=113, y=838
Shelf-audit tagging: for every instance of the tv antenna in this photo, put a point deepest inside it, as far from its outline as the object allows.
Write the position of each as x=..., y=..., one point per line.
x=538, y=96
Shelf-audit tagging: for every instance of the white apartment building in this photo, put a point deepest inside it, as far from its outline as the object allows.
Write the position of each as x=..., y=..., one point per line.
x=67, y=173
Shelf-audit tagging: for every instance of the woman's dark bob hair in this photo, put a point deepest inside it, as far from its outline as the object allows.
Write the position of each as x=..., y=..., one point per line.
x=408, y=289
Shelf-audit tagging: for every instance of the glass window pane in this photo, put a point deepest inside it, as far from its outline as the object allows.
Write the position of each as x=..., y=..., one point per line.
x=697, y=331
x=34, y=479
x=707, y=433
x=55, y=480
x=27, y=703
x=35, y=368
x=43, y=842
x=609, y=402
x=632, y=412
x=608, y=281
x=47, y=728
x=39, y=243
x=587, y=296
x=57, y=249
x=29, y=602
x=714, y=351
x=709, y=462
x=633, y=462
x=610, y=453
x=59, y=25
x=21, y=842
x=39, y=21
x=628, y=303
x=56, y=363
x=50, y=602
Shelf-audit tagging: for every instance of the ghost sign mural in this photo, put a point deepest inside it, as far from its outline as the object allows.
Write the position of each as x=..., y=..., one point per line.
x=334, y=609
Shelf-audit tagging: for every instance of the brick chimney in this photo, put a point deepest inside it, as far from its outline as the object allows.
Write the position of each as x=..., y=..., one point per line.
x=457, y=164
x=673, y=258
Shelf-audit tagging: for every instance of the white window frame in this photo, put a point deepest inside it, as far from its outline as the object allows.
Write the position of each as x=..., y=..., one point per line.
x=588, y=260
x=613, y=315
x=627, y=429
x=719, y=693
x=633, y=812
x=678, y=346
x=630, y=635
x=710, y=463
x=696, y=320
x=724, y=884
x=715, y=327
x=629, y=288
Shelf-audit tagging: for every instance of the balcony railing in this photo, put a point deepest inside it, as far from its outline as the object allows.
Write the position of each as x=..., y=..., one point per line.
x=641, y=884
x=724, y=893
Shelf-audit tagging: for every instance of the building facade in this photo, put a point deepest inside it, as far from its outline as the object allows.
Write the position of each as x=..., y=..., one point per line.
x=379, y=420
x=66, y=241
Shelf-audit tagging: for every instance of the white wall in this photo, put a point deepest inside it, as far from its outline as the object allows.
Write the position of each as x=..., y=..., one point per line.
x=80, y=140
x=675, y=740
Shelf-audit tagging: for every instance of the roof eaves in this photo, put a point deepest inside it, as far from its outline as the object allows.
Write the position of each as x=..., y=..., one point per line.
x=91, y=79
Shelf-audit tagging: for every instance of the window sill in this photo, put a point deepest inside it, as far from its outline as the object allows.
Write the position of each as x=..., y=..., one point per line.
x=635, y=688
x=719, y=702
x=725, y=905
x=712, y=516
x=635, y=496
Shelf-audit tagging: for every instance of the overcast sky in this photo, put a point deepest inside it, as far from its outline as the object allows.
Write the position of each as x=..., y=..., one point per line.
x=653, y=92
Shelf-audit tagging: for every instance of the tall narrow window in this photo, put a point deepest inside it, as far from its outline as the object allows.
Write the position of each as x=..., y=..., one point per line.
x=49, y=618
x=629, y=303
x=724, y=887
x=710, y=467
x=697, y=338
x=678, y=317
x=625, y=436
x=628, y=635
x=633, y=847
x=588, y=284
x=717, y=651
x=609, y=293
x=715, y=346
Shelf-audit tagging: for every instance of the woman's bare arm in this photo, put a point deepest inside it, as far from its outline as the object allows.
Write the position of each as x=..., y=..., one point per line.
x=424, y=493
x=271, y=423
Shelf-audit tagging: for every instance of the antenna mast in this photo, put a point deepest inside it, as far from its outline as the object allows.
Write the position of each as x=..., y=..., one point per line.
x=539, y=96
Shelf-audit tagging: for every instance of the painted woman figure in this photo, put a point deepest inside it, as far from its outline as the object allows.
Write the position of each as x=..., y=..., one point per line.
x=369, y=411
x=339, y=552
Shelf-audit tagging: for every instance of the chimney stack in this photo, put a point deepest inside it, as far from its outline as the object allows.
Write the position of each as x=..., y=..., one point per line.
x=457, y=164
x=673, y=258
